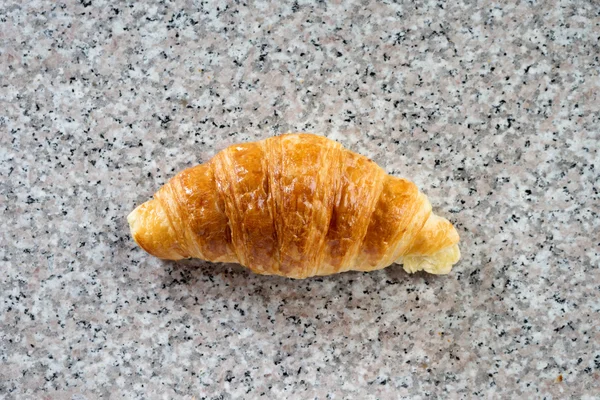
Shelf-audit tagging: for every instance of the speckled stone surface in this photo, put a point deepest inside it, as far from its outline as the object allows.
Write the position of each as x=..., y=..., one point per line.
x=492, y=109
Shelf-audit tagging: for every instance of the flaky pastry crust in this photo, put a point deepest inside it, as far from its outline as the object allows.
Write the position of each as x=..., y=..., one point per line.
x=296, y=205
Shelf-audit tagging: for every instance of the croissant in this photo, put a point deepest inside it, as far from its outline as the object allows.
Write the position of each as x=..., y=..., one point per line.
x=296, y=205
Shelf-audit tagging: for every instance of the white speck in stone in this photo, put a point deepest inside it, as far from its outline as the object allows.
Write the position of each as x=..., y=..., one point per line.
x=117, y=27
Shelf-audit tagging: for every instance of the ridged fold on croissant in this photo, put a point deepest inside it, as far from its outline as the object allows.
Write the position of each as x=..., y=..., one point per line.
x=295, y=205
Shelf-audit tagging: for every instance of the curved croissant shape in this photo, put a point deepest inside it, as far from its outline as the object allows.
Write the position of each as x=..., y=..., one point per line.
x=296, y=205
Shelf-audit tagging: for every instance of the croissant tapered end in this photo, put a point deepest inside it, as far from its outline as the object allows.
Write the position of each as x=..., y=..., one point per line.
x=151, y=230
x=435, y=249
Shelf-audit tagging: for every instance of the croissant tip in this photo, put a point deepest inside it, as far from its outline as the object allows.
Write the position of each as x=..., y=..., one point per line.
x=439, y=263
x=132, y=220
x=151, y=233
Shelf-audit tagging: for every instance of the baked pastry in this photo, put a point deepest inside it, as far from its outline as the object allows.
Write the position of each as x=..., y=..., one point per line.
x=296, y=205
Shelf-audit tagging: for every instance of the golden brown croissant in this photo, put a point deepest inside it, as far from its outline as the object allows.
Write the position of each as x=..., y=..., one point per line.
x=295, y=205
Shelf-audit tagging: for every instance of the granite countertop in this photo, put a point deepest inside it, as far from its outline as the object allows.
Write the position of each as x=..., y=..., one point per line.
x=493, y=110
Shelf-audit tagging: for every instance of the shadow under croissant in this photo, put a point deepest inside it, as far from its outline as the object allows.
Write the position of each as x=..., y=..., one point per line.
x=194, y=273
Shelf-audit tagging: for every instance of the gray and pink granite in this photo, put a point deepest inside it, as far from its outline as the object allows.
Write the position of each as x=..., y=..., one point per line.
x=492, y=108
